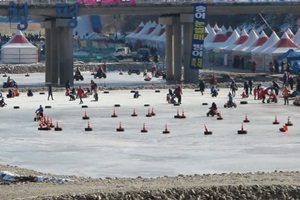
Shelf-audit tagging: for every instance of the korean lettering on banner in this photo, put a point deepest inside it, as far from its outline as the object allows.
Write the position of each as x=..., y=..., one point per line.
x=65, y=10
x=21, y=13
x=198, y=35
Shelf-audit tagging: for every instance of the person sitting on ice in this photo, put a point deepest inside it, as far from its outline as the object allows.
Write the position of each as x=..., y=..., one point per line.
x=136, y=94
x=77, y=72
x=213, y=91
x=29, y=93
x=147, y=78
x=230, y=99
x=72, y=94
x=40, y=111
x=273, y=96
x=244, y=95
x=213, y=110
x=10, y=94
x=2, y=103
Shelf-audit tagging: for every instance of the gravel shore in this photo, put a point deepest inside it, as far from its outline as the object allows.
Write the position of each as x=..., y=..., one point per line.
x=260, y=185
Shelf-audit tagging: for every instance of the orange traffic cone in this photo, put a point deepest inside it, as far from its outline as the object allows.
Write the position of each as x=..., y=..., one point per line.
x=242, y=131
x=57, y=128
x=246, y=120
x=134, y=113
x=206, y=131
x=149, y=113
x=182, y=115
x=144, y=130
x=51, y=124
x=85, y=116
x=121, y=72
x=177, y=115
x=114, y=114
x=88, y=128
x=275, y=121
x=166, y=131
x=289, y=123
x=152, y=112
x=284, y=128
x=120, y=129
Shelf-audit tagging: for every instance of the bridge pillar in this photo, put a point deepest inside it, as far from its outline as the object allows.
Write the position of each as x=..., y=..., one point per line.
x=59, y=52
x=190, y=75
x=173, y=47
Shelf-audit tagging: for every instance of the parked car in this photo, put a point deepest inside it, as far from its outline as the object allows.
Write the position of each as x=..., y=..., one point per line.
x=136, y=71
x=122, y=52
x=141, y=55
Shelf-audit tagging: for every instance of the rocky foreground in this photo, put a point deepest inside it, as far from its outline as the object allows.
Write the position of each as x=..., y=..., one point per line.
x=260, y=185
x=238, y=186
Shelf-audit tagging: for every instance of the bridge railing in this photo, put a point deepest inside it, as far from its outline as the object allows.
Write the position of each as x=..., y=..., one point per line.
x=36, y=2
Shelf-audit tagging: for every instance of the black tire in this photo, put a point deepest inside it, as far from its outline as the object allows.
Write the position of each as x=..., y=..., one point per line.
x=117, y=105
x=242, y=132
x=204, y=104
x=146, y=105
x=95, y=76
x=104, y=75
x=268, y=101
x=157, y=91
x=207, y=132
x=243, y=102
x=42, y=93
x=129, y=73
x=138, y=73
x=16, y=107
x=84, y=106
x=48, y=107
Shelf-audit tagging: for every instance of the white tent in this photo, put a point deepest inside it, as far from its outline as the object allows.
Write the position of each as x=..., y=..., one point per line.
x=257, y=55
x=263, y=38
x=231, y=40
x=253, y=37
x=154, y=28
x=219, y=39
x=209, y=37
x=130, y=36
x=159, y=30
x=145, y=29
x=296, y=38
x=19, y=50
x=242, y=39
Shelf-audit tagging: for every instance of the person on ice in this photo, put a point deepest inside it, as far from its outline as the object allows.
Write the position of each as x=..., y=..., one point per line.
x=202, y=86
x=40, y=111
x=213, y=110
x=213, y=91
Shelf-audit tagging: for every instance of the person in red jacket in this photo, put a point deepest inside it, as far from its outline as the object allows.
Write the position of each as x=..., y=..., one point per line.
x=264, y=93
x=80, y=93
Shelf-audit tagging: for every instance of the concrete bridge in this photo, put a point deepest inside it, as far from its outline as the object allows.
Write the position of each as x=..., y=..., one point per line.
x=175, y=14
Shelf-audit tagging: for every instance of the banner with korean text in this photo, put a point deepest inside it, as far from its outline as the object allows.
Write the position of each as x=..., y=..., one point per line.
x=198, y=35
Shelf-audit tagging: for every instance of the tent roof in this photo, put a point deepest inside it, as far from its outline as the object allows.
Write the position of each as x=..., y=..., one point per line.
x=229, y=32
x=271, y=41
x=17, y=41
x=296, y=38
x=289, y=54
x=290, y=33
x=263, y=38
x=220, y=37
x=95, y=36
x=253, y=37
x=282, y=45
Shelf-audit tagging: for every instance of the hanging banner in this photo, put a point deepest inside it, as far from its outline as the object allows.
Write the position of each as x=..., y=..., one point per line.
x=198, y=36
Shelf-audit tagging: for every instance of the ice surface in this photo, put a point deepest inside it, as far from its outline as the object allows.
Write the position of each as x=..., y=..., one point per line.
x=104, y=152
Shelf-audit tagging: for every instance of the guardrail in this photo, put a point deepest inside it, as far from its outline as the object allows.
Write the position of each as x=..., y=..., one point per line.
x=43, y=2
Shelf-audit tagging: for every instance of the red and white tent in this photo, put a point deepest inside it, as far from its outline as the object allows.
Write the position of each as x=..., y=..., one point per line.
x=19, y=50
x=130, y=36
x=282, y=46
x=296, y=38
x=229, y=32
x=242, y=39
x=218, y=39
x=253, y=37
x=290, y=33
x=259, y=42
